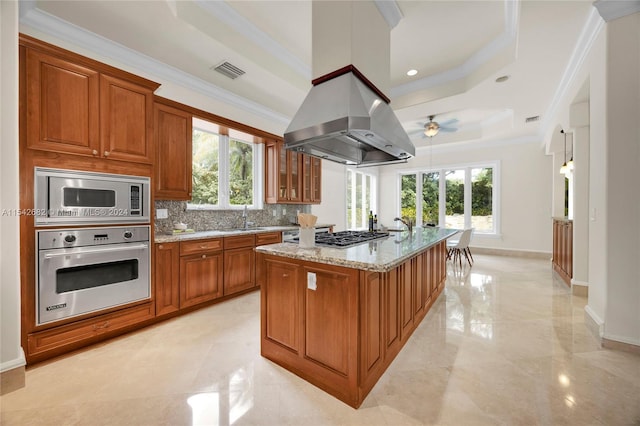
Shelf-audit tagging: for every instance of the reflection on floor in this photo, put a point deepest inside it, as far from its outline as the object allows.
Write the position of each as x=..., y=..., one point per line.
x=505, y=344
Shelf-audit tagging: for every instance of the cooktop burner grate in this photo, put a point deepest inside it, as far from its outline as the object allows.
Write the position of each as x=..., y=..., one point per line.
x=346, y=238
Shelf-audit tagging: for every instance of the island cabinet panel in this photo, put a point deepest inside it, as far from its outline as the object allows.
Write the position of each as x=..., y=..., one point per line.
x=281, y=288
x=372, y=327
x=239, y=271
x=330, y=312
x=392, y=311
x=419, y=279
x=407, y=292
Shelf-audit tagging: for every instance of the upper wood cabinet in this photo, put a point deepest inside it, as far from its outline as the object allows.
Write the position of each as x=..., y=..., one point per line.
x=173, y=133
x=286, y=178
x=75, y=105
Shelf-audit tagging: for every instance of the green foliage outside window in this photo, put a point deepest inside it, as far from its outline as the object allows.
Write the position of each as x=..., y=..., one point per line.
x=240, y=173
x=205, y=168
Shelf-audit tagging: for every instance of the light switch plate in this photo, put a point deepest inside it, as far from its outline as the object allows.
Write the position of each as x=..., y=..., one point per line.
x=162, y=213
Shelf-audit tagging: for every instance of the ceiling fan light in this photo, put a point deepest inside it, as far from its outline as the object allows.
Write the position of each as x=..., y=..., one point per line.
x=431, y=129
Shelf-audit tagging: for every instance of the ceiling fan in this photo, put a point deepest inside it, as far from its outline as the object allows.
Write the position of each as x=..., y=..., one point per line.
x=432, y=128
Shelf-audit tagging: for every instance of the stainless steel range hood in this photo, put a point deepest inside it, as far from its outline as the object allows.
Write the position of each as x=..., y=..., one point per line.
x=343, y=120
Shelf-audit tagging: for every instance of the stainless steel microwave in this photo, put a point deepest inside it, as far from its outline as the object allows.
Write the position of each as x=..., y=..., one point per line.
x=71, y=197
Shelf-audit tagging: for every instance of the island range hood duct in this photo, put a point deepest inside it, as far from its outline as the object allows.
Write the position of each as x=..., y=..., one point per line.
x=343, y=120
x=346, y=116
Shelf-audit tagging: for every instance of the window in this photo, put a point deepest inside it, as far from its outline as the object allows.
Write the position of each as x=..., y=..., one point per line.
x=225, y=168
x=452, y=197
x=361, y=198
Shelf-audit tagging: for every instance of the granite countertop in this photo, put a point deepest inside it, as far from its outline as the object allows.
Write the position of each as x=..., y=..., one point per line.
x=218, y=233
x=379, y=255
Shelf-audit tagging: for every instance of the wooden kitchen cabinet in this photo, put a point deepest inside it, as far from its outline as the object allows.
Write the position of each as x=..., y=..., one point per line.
x=78, y=106
x=344, y=332
x=166, y=269
x=287, y=180
x=562, y=258
x=201, y=271
x=54, y=341
x=239, y=263
x=311, y=179
x=173, y=135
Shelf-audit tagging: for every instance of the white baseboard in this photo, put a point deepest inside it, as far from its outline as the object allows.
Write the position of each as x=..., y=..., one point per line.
x=511, y=252
x=594, y=323
x=622, y=339
x=14, y=363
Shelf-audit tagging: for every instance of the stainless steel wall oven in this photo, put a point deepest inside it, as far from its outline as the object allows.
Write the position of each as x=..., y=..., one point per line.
x=85, y=270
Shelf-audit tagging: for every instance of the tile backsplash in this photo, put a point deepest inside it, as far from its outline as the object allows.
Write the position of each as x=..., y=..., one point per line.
x=204, y=220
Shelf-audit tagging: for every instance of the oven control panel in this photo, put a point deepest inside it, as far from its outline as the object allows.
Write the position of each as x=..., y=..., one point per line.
x=81, y=237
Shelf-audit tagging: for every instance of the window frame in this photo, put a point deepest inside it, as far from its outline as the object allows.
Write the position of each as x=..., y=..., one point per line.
x=224, y=167
x=467, y=167
x=373, y=197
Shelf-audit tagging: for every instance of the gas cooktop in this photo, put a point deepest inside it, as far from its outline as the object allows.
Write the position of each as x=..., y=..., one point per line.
x=346, y=238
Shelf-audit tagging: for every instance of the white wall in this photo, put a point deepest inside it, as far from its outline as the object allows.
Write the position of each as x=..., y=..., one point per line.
x=622, y=320
x=524, y=201
x=11, y=354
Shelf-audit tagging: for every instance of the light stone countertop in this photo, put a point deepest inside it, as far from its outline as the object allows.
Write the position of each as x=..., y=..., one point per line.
x=218, y=233
x=379, y=255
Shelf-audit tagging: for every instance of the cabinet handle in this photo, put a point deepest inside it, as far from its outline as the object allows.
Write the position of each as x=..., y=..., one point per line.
x=204, y=256
x=285, y=275
x=204, y=246
x=102, y=326
x=94, y=152
x=106, y=153
x=160, y=247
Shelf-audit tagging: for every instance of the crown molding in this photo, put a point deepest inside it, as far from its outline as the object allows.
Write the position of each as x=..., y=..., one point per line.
x=491, y=49
x=614, y=9
x=587, y=37
x=390, y=11
x=48, y=24
x=242, y=25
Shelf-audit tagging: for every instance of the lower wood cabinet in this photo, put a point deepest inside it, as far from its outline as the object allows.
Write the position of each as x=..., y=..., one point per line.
x=239, y=263
x=201, y=271
x=562, y=258
x=166, y=268
x=54, y=341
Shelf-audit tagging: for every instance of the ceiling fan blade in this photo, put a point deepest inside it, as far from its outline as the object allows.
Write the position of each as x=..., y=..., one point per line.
x=449, y=122
x=448, y=129
x=415, y=132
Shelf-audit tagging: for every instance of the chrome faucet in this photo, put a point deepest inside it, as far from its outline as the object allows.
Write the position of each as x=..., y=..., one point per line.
x=245, y=224
x=407, y=222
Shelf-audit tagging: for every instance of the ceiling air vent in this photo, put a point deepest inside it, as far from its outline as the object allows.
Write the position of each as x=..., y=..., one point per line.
x=229, y=70
x=532, y=119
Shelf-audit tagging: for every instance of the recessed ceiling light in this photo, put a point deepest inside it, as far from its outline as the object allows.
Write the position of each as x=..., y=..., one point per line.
x=502, y=79
x=411, y=73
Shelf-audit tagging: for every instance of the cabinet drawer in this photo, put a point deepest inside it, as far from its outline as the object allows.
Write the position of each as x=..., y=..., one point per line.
x=268, y=238
x=70, y=334
x=199, y=246
x=239, y=241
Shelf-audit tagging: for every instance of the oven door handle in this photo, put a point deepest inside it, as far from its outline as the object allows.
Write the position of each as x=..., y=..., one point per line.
x=104, y=250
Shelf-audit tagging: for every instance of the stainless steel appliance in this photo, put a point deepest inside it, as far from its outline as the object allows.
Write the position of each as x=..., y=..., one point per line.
x=292, y=234
x=89, y=269
x=69, y=197
x=344, y=239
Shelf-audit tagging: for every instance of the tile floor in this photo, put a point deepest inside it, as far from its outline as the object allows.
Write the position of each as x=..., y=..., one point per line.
x=505, y=344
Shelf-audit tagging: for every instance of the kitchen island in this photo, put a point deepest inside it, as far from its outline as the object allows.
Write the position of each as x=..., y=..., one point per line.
x=337, y=317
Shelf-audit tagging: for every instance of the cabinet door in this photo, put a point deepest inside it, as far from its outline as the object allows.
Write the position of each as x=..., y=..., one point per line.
x=62, y=105
x=239, y=270
x=316, y=180
x=126, y=120
x=406, y=299
x=167, y=278
x=201, y=278
x=295, y=176
x=173, y=133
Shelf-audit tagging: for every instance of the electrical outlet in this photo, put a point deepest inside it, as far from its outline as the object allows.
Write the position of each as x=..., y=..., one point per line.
x=284, y=212
x=274, y=212
x=312, y=281
x=162, y=213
